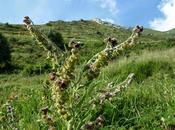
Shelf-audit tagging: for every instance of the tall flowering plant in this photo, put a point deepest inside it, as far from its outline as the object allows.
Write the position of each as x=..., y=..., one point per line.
x=64, y=95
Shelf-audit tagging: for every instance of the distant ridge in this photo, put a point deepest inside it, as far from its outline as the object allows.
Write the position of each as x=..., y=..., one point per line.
x=107, y=23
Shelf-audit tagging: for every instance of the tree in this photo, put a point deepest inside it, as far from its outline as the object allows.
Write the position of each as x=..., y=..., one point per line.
x=56, y=37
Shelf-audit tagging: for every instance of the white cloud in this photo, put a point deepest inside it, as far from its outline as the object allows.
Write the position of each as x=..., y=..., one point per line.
x=111, y=5
x=167, y=7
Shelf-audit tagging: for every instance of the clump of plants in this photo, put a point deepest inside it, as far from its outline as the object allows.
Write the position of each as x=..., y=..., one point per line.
x=72, y=99
x=5, y=56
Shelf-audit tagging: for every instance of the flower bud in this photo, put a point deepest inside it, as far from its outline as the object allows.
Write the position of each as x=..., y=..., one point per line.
x=89, y=126
x=27, y=20
x=45, y=110
x=139, y=29
x=52, y=76
x=62, y=84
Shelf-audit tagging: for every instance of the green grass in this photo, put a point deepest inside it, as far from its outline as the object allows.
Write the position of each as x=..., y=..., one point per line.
x=28, y=93
x=142, y=106
x=25, y=51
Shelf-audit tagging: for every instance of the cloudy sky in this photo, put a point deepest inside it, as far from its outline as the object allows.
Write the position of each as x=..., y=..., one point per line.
x=155, y=14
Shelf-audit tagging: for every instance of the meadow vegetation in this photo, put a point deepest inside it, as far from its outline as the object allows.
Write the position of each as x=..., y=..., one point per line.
x=26, y=95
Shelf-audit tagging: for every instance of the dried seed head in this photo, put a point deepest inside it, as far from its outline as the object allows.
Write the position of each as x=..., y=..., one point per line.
x=26, y=17
x=112, y=41
x=99, y=121
x=62, y=84
x=27, y=20
x=108, y=94
x=9, y=109
x=73, y=44
x=52, y=76
x=89, y=126
x=139, y=29
x=45, y=110
x=49, y=118
x=77, y=45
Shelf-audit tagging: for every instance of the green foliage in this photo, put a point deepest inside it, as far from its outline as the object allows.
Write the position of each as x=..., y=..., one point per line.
x=142, y=107
x=148, y=101
x=161, y=45
x=22, y=45
x=5, y=55
x=55, y=37
x=7, y=25
x=37, y=69
x=144, y=69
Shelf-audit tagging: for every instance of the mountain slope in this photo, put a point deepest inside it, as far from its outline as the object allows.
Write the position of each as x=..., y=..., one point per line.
x=25, y=51
x=148, y=104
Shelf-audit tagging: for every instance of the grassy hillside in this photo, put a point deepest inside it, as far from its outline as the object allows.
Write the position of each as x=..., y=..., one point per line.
x=148, y=104
x=25, y=52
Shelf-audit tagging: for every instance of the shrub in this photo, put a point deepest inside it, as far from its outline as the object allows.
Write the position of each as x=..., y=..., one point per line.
x=4, y=54
x=55, y=37
x=7, y=25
